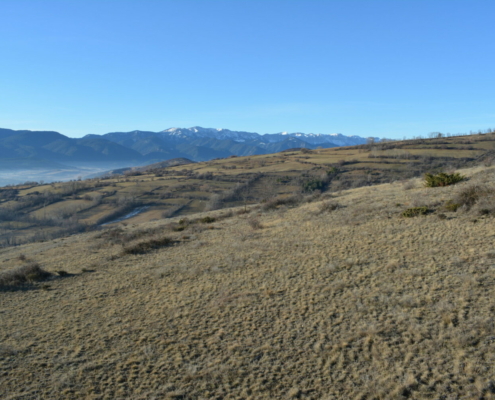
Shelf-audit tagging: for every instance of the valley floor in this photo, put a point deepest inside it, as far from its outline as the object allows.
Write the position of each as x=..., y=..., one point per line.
x=307, y=302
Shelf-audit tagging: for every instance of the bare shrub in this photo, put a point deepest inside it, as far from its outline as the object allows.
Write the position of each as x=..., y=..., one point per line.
x=147, y=246
x=272, y=204
x=315, y=196
x=119, y=236
x=28, y=273
x=214, y=203
x=328, y=206
x=226, y=214
x=207, y=220
x=415, y=211
x=408, y=185
x=488, y=161
x=451, y=206
x=486, y=205
x=255, y=223
x=468, y=196
x=178, y=227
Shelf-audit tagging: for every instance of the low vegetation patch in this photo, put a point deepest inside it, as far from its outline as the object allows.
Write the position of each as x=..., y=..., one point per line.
x=122, y=237
x=468, y=196
x=26, y=274
x=415, y=211
x=255, y=223
x=451, y=206
x=313, y=184
x=147, y=246
x=327, y=206
x=273, y=203
x=442, y=179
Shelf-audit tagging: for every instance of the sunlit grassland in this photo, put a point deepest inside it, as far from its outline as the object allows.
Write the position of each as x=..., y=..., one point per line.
x=337, y=296
x=228, y=182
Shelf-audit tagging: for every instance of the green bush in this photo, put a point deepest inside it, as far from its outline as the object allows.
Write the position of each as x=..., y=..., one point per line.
x=313, y=184
x=415, y=211
x=442, y=179
x=207, y=220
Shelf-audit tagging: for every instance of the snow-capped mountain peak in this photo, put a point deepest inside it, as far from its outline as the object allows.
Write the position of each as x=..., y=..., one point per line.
x=315, y=139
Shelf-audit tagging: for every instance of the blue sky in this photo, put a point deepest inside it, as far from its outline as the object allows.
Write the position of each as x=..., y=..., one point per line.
x=371, y=68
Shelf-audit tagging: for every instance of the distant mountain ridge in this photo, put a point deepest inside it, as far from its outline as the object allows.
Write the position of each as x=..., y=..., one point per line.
x=55, y=147
x=138, y=148
x=336, y=139
x=202, y=144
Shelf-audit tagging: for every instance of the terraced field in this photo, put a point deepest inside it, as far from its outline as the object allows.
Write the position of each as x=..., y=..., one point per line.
x=42, y=212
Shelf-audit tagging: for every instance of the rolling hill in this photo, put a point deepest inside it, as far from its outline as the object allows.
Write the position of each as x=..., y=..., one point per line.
x=39, y=212
x=312, y=295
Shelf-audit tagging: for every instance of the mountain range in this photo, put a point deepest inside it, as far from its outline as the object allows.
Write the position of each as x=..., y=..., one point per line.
x=201, y=144
x=24, y=149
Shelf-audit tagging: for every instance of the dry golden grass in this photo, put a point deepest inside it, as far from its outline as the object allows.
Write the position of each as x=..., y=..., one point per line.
x=339, y=298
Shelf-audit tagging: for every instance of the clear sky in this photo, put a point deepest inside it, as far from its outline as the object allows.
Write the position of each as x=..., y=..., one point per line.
x=370, y=68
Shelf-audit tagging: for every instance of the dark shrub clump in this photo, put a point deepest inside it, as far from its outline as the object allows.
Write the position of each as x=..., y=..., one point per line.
x=26, y=274
x=272, y=204
x=442, y=179
x=313, y=184
x=145, y=247
x=415, y=211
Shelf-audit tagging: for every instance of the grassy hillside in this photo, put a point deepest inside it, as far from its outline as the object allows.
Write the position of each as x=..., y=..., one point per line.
x=41, y=212
x=337, y=296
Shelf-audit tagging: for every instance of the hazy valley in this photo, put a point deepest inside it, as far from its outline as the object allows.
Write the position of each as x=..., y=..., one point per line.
x=50, y=156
